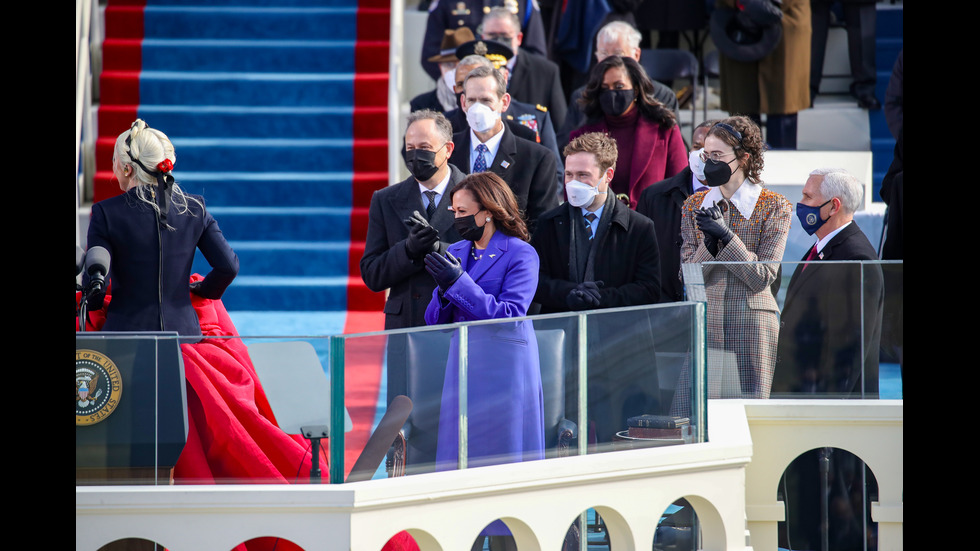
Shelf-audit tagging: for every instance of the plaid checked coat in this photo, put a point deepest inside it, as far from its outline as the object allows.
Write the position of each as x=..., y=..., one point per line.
x=743, y=317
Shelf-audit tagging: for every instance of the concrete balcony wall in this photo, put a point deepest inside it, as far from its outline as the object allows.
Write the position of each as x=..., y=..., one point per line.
x=730, y=480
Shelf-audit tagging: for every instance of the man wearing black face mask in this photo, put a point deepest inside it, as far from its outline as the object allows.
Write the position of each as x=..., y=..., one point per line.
x=823, y=345
x=407, y=221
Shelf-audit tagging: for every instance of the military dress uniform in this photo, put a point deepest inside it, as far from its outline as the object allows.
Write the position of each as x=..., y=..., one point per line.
x=452, y=14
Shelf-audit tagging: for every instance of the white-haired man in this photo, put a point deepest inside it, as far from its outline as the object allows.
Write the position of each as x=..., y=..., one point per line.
x=830, y=325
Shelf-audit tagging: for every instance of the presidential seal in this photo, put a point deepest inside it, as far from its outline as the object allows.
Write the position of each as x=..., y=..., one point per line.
x=98, y=387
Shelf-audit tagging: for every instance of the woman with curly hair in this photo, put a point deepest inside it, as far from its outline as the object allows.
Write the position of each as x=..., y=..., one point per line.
x=619, y=101
x=738, y=221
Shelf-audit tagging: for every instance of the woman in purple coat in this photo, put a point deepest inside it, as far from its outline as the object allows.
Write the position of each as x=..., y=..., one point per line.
x=491, y=274
x=619, y=101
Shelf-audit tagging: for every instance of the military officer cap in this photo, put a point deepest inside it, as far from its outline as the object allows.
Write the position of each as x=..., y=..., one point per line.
x=496, y=52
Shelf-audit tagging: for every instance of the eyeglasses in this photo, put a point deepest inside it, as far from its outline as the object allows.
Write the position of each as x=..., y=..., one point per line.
x=603, y=55
x=715, y=156
x=498, y=36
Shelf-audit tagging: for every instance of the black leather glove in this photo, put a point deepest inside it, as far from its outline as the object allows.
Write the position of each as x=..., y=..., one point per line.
x=422, y=238
x=584, y=296
x=444, y=269
x=712, y=223
x=711, y=244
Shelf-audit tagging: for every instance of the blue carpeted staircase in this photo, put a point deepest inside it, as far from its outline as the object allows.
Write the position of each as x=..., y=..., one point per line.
x=259, y=100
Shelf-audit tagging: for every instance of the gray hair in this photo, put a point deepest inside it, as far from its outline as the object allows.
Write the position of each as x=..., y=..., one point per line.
x=840, y=183
x=474, y=60
x=482, y=72
x=443, y=126
x=149, y=147
x=612, y=32
x=501, y=12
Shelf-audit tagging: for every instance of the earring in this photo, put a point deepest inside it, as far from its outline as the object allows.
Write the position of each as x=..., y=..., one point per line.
x=488, y=219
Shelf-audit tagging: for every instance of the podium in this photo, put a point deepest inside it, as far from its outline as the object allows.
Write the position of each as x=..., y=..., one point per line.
x=130, y=407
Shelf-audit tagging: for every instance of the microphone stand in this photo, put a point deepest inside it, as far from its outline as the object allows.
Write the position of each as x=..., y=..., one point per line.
x=82, y=311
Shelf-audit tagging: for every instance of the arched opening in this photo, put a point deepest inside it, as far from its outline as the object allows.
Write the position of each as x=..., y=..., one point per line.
x=827, y=494
x=505, y=534
x=597, y=529
x=132, y=544
x=412, y=540
x=267, y=543
x=678, y=528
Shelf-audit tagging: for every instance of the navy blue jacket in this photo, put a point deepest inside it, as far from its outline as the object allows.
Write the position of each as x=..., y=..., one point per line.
x=150, y=266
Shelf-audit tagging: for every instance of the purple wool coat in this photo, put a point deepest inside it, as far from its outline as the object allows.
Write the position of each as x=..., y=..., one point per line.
x=505, y=401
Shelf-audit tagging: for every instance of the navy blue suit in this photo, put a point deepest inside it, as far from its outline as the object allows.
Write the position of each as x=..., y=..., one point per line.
x=150, y=268
x=528, y=168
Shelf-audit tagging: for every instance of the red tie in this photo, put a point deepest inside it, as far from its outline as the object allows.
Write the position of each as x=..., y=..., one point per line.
x=811, y=256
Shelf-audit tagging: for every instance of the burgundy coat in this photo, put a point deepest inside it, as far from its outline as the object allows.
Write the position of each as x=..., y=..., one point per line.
x=658, y=153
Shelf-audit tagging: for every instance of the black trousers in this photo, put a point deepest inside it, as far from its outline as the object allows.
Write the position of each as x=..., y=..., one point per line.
x=860, y=20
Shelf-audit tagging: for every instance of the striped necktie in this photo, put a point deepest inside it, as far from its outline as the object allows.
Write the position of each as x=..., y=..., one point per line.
x=588, y=226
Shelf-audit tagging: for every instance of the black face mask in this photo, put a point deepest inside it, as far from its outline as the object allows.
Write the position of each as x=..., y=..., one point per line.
x=615, y=102
x=717, y=173
x=467, y=228
x=421, y=163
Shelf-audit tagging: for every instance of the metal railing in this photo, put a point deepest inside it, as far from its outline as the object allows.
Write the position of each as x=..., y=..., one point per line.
x=88, y=64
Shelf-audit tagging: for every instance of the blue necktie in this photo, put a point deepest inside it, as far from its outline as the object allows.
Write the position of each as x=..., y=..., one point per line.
x=481, y=162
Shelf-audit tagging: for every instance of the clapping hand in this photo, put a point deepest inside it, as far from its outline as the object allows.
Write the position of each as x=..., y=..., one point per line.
x=444, y=269
x=422, y=238
x=712, y=224
x=584, y=296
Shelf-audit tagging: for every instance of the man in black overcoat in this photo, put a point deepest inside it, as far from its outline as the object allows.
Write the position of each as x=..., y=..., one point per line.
x=597, y=253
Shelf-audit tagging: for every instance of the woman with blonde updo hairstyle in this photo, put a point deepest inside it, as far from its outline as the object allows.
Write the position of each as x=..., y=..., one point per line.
x=740, y=222
x=151, y=232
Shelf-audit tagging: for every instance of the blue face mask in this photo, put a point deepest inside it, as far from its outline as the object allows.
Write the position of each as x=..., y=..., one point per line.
x=810, y=217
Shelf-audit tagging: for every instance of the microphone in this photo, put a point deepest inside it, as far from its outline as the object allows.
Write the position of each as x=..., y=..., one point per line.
x=79, y=260
x=97, y=268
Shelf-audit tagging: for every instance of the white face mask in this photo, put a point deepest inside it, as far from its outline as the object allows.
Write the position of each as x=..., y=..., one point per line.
x=450, y=78
x=481, y=118
x=697, y=165
x=581, y=194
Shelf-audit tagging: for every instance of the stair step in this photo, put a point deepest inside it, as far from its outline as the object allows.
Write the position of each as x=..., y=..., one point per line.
x=257, y=293
x=270, y=189
x=289, y=258
x=228, y=89
x=286, y=293
x=289, y=224
x=249, y=121
x=282, y=56
x=231, y=22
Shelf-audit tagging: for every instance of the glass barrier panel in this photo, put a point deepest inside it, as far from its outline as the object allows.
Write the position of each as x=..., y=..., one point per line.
x=503, y=391
x=639, y=384
x=130, y=407
x=413, y=364
x=294, y=409
x=818, y=329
